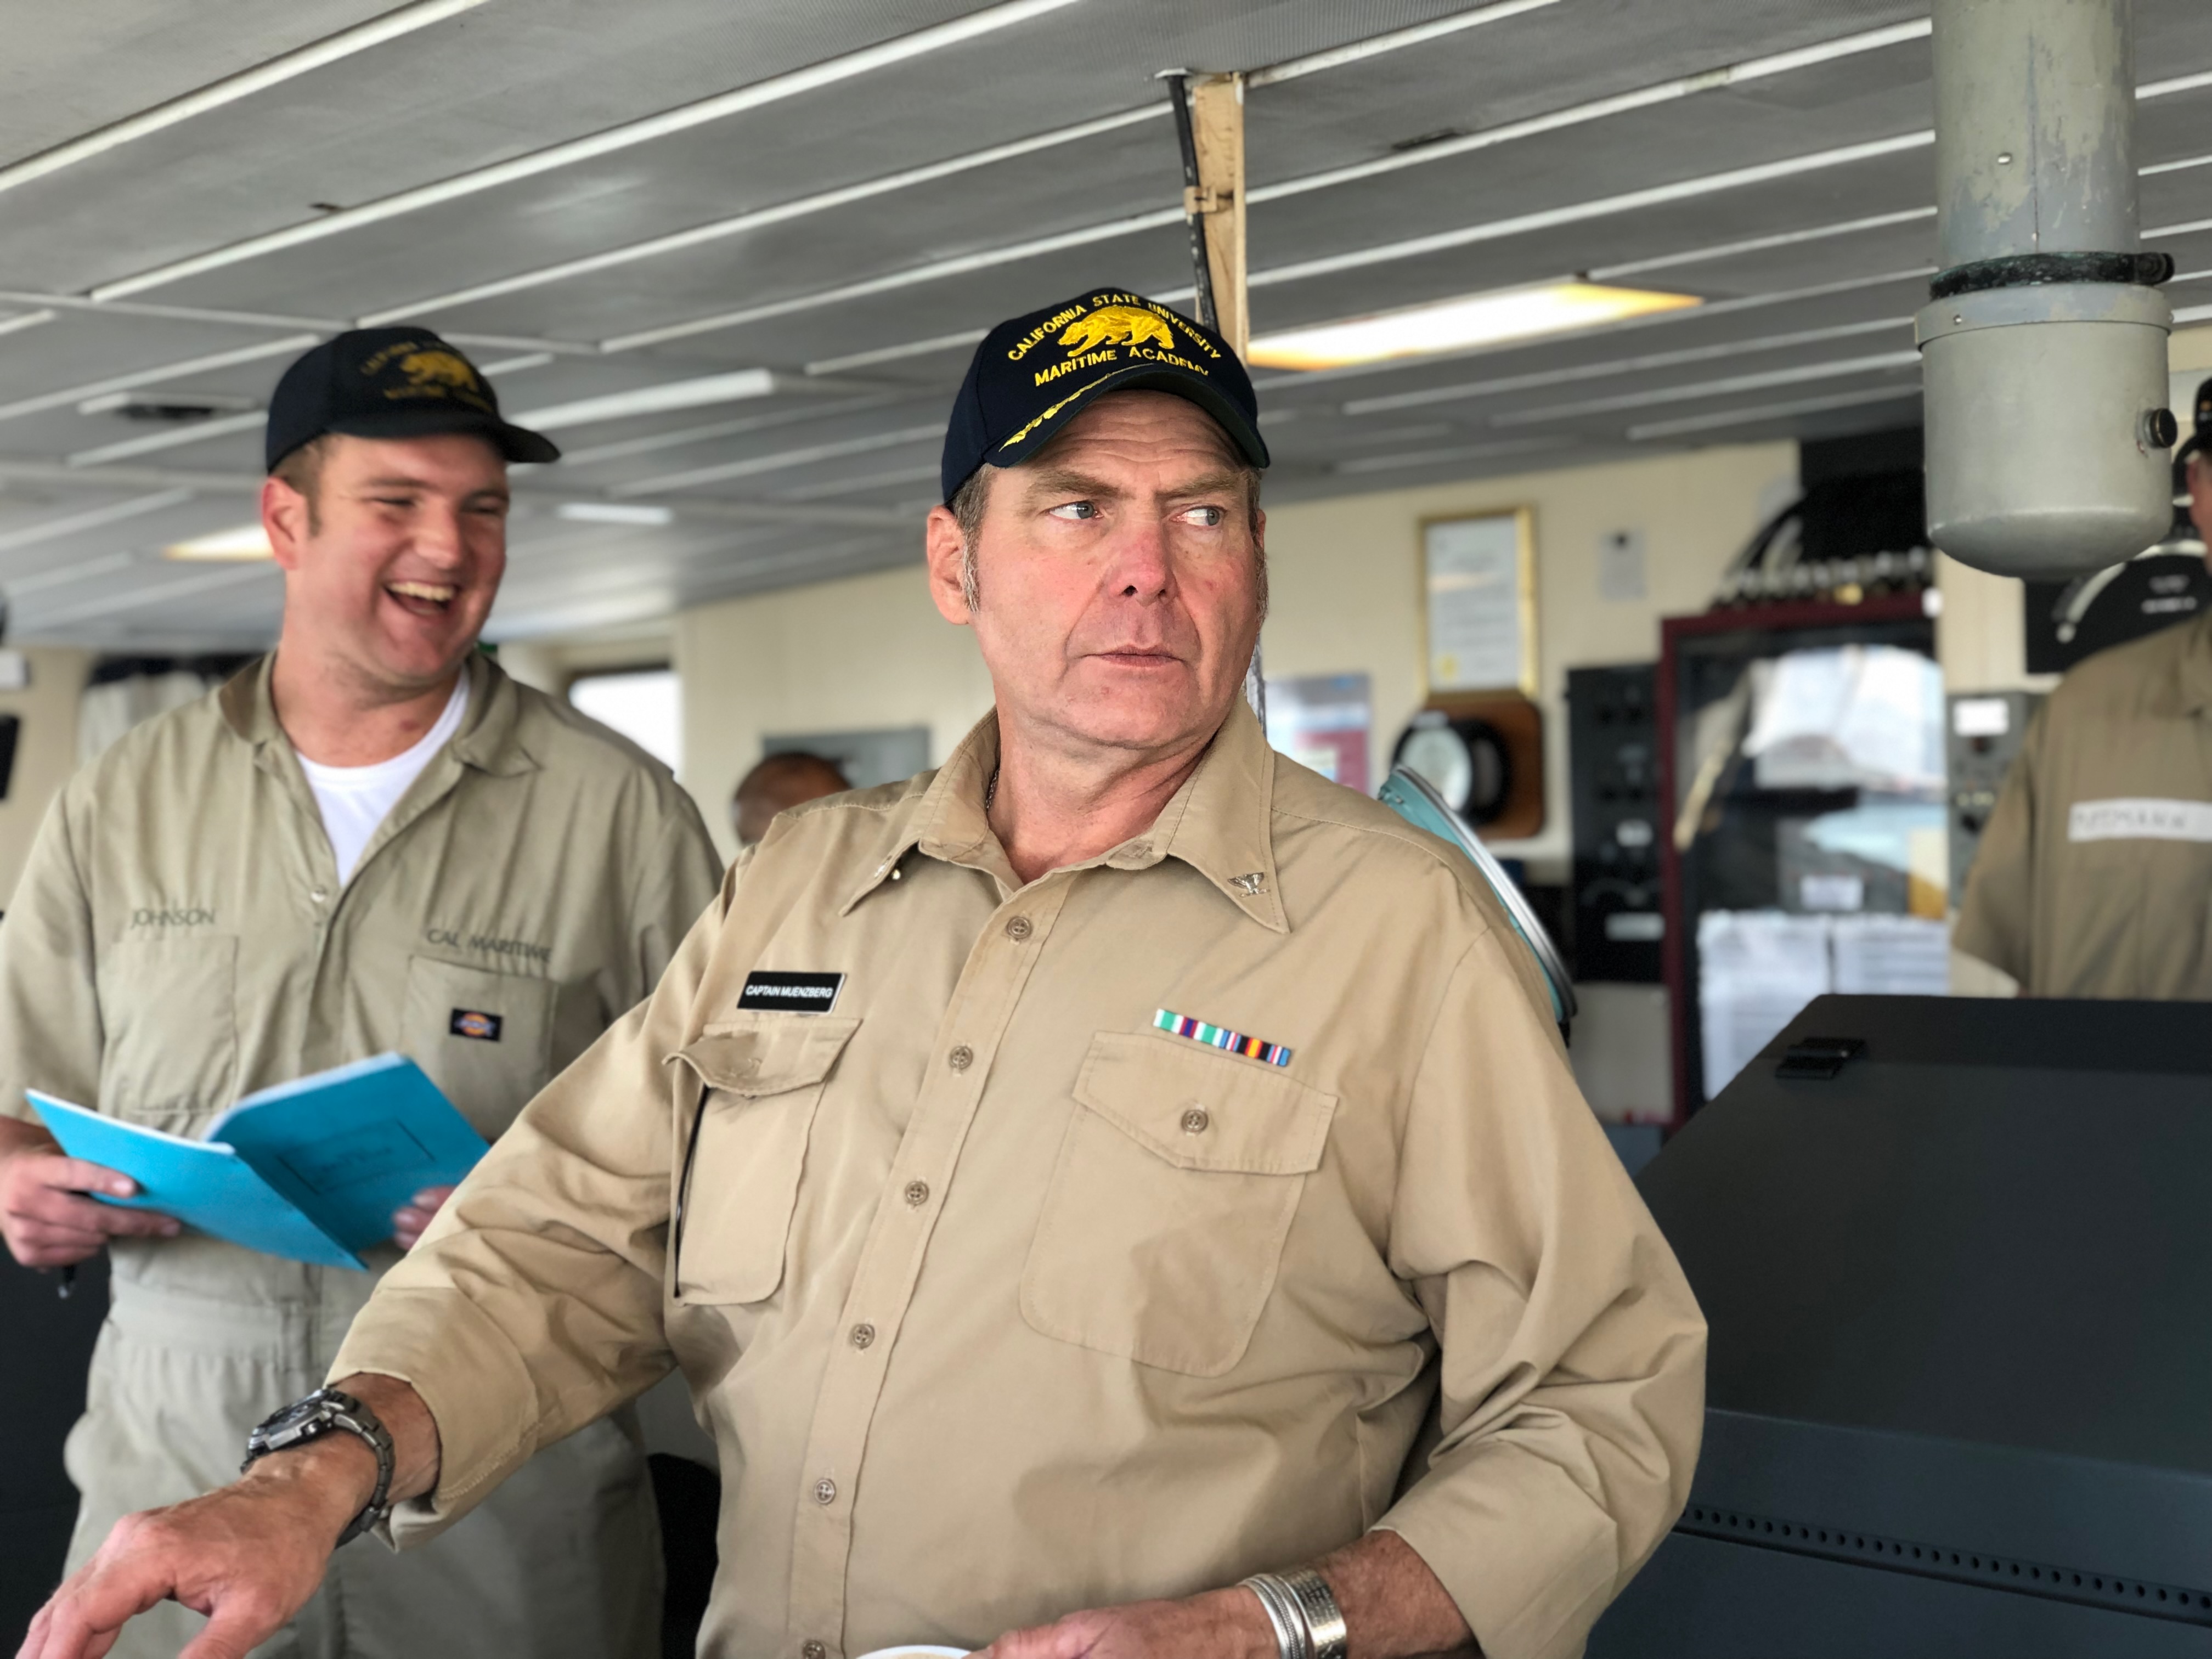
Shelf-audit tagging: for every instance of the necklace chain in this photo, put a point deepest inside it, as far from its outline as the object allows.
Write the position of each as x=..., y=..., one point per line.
x=991, y=789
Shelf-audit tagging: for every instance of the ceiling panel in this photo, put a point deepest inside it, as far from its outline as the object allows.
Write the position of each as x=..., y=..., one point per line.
x=1808, y=278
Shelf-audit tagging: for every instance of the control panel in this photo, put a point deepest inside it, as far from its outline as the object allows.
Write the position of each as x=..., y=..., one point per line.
x=1613, y=759
x=1983, y=733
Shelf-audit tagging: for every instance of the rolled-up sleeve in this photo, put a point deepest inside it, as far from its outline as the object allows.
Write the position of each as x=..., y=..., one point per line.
x=1572, y=1364
x=532, y=1305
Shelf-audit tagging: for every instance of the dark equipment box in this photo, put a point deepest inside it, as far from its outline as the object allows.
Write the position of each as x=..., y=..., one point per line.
x=1959, y=1284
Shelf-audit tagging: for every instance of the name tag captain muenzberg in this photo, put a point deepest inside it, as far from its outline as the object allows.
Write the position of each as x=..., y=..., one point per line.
x=797, y=994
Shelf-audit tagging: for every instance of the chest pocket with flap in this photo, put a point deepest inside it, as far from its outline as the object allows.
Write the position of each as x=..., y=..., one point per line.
x=1164, y=1220
x=761, y=1077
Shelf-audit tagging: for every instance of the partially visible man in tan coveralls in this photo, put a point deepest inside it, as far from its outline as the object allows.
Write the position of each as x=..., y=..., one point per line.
x=187, y=931
x=1115, y=1163
x=2094, y=877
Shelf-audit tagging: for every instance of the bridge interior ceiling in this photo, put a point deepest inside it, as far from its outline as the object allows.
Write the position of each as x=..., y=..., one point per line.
x=599, y=203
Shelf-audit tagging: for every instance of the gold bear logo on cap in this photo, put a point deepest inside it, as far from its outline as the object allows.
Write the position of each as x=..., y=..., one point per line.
x=1117, y=325
x=437, y=369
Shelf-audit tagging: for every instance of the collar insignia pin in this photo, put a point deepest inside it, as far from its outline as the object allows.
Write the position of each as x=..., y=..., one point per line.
x=1249, y=886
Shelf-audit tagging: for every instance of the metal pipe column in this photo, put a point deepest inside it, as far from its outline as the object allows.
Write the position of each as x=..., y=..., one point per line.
x=2043, y=346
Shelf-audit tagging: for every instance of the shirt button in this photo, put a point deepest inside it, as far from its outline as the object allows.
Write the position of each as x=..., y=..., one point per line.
x=917, y=1193
x=863, y=1336
x=1018, y=928
x=825, y=1491
x=1195, y=1121
x=961, y=1058
x=318, y=895
x=812, y=1650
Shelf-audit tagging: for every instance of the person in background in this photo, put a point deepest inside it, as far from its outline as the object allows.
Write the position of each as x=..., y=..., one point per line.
x=778, y=784
x=2092, y=878
x=1120, y=1196
x=370, y=840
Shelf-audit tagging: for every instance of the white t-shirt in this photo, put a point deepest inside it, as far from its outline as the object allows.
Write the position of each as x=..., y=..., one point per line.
x=355, y=799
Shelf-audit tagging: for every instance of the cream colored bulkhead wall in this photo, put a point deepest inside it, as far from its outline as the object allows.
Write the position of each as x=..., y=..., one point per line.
x=45, y=749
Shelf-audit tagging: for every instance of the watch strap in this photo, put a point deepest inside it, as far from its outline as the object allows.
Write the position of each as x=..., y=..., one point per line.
x=326, y=1412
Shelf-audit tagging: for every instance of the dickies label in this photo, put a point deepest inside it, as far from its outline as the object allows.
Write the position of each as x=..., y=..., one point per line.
x=792, y=993
x=475, y=1024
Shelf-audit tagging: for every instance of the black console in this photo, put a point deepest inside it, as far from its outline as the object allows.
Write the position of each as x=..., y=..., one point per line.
x=1955, y=1255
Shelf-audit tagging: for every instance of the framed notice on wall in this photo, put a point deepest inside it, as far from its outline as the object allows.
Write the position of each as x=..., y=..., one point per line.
x=1479, y=592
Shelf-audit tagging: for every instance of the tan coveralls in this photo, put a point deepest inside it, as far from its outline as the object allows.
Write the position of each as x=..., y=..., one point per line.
x=1001, y=1303
x=180, y=939
x=2094, y=877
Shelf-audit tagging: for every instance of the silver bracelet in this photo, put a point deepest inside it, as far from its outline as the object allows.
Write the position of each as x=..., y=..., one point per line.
x=1308, y=1623
x=1325, y=1632
x=1282, y=1610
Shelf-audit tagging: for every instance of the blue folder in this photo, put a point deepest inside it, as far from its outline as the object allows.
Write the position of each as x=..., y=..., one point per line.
x=310, y=1170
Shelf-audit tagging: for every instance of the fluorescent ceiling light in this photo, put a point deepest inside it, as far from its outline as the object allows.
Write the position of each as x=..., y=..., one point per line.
x=1397, y=40
x=192, y=433
x=93, y=518
x=1727, y=417
x=288, y=346
x=683, y=118
x=614, y=513
x=1879, y=363
x=782, y=212
x=1512, y=313
x=328, y=49
x=246, y=541
x=654, y=399
x=1619, y=367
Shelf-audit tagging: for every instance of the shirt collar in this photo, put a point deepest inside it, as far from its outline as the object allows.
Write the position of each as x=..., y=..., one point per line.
x=1220, y=822
x=488, y=740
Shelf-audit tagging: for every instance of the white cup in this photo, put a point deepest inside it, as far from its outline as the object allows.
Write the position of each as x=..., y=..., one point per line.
x=917, y=1653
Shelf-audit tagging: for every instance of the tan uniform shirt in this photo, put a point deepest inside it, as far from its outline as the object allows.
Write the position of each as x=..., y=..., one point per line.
x=1001, y=1302
x=2094, y=877
x=180, y=938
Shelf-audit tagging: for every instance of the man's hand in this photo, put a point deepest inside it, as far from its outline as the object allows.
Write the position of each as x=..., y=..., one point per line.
x=1220, y=1625
x=248, y=1556
x=43, y=1214
x=1394, y=1607
x=408, y=1221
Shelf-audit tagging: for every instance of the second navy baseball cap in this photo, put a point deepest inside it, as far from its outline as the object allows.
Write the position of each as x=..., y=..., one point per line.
x=2199, y=440
x=391, y=382
x=1033, y=374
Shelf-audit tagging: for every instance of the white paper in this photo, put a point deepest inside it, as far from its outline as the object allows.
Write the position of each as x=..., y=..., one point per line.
x=1854, y=716
x=1890, y=956
x=1475, y=604
x=1756, y=970
x=1621, y=567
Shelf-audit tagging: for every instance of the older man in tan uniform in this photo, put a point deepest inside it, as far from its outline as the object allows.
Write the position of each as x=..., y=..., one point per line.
x=188, y=930
x=1114, y=1164
x=2094, y=877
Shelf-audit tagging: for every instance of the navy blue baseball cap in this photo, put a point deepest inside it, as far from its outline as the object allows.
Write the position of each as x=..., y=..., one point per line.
x=391, y=382
x=1034, y=375
x=2199, y=442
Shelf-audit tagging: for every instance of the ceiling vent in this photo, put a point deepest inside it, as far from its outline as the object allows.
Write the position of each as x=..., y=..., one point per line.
x=170, y=407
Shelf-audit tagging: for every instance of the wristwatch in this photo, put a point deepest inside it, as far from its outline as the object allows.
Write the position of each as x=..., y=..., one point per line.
x=327, y=1411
